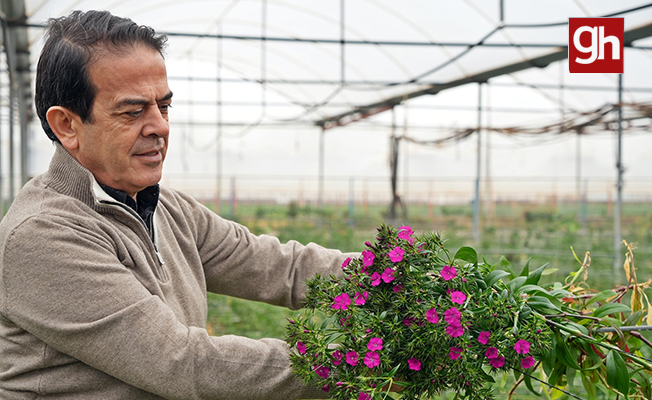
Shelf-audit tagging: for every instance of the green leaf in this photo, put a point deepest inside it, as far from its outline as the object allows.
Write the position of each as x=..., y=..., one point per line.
x=516, y=283
x=633, y=319
x=588, y=386
x=528, y=384
x=542, y=305
x=526, y=268
x=610, y=308
x=563, y=353
x=533, y=278
x=494, y=277
x=557, y=373
x=605, y=294
x=467, y=254
x=617, y=375
x=507, y=266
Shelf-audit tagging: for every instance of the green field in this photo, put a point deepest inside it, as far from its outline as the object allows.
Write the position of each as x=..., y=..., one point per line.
x=518, y=231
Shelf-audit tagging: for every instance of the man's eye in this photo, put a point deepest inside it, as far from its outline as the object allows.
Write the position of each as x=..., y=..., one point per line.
x=135, y=113
x=165, y=107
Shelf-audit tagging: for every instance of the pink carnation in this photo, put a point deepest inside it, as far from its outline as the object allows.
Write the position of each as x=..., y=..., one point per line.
x=375, y=279
x=388, y=275
x=338, y=357
x=346, y=262
x=491, y=352
x=352, y=358
x=497, y=362
x=371, y=359
x=527, y=362
x=361, y=298
x=484, y=337
x=405, y=233
x=396, y=255
x=454, y=353
x=522, y=346
x=414, y=364
x=375, y=344
x=321, y=371
x=364, y=396
x=301, y=347
x=452, y=316
x=458, y=297
x=367, y=258
x=341, y=302
x=431, y=316
x=454, y=330
x=448, y=272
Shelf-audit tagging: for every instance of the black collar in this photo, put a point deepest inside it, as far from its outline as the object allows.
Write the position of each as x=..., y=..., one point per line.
x=147, y=200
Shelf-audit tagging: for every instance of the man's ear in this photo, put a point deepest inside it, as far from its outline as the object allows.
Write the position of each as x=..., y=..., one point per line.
x=65, y=124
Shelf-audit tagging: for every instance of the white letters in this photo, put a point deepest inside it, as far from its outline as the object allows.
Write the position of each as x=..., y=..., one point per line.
x=597, y=46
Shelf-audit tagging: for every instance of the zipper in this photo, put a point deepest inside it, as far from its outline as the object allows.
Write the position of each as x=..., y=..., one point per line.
x=152, y=238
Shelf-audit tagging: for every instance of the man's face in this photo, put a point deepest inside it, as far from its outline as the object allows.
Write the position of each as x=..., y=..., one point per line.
x=125, y=143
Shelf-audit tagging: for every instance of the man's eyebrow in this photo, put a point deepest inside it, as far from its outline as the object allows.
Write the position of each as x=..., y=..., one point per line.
x=165, y=98
x=141, y=102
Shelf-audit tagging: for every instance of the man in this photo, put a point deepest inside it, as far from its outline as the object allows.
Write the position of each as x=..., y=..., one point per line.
x=103, y=276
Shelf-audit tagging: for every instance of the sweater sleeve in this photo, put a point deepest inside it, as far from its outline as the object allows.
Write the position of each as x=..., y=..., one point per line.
x=258, y=267
x=66, y=287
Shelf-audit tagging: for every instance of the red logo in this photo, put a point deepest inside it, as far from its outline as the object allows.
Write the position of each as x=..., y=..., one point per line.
x=595, y=45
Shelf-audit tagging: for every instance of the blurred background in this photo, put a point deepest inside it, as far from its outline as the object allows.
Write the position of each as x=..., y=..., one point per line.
x=319, y=120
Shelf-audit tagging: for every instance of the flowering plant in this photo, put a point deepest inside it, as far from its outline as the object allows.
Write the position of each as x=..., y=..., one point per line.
x=410, y=313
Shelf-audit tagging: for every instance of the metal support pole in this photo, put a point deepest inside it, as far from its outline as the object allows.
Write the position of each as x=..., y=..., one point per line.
x=476, y=200
x=22, y=120
x=320, y=193
x=618, y=207
x=218, y=155
x=10, y=50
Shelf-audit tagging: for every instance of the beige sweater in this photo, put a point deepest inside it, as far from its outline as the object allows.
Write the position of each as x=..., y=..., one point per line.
x=90, y=308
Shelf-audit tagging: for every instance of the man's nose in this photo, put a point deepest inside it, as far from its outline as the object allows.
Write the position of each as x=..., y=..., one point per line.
x=156, y=123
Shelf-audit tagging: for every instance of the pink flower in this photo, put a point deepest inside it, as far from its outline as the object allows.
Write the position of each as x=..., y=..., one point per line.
x=301, y=347
x=364, y=396
x=367, y=243
x=414, y=364
x=326, y=388
x=454, y=330
x=497, y=362
x=352, y=358
x=431, y=316
x=491, y=352
x=448, y=272
x=388, y=275
x=452, y=316
x=454, y=353
x=375, y=279
x=527, y=362
x=408, y=322
x=361, y=298
x=346, y=262
x=368, y=258
x=371, y=359
x=375, y=344
x=322, y=371
x=404, y=233
x=458, y=297
x=397, y=288
x=338, y=357
x=484, y=337
x=396, y=255
x=522, y=346
x=342, y=302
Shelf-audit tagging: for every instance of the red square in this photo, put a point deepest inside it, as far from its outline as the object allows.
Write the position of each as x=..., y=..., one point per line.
x=595, y=45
